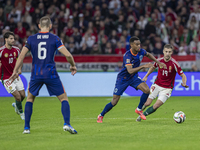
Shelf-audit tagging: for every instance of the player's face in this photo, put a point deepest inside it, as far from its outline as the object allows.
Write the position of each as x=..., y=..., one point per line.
x=167, y=53
x=10, y=40
x=135, y=46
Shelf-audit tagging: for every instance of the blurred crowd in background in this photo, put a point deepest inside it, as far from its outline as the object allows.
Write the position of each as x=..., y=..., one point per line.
x=105, y=26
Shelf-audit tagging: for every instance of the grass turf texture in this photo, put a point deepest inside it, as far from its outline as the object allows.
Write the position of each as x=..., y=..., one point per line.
x=118, y=131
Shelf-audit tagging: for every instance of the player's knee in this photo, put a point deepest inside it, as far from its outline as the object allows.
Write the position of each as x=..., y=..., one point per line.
x=22, y=97
x=147, y=103
x=18, y=98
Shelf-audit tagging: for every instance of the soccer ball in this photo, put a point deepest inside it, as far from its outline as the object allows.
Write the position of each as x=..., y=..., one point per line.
x=179, y=117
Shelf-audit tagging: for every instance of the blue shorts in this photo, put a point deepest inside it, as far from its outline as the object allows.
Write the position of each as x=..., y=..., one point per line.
x=54, y=86
x=121, y=85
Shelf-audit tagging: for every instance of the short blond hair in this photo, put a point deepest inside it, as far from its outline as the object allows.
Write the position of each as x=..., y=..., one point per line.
x=45, y=22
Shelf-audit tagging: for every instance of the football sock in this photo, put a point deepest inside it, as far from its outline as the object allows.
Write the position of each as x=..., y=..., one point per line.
x=149, y=111
x=28, y=113
x=143, y=99
x=19, y=106
x=143, y=107
x=65, y=109
x=107, y=108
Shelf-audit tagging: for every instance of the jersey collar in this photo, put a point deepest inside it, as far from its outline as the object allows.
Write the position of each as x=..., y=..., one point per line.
x=132, y=53
x=43, y=32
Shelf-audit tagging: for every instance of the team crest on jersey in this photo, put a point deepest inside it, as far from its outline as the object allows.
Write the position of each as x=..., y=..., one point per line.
x=10, y=87
x=170, y=68
x=14, y=54
x=6, y=55
x=127, y=61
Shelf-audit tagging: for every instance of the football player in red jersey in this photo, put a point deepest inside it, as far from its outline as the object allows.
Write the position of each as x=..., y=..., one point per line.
x=164, y=81
x=8, y=57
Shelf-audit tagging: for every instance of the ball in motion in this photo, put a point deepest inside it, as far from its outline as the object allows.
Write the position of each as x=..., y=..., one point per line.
x=179, y=117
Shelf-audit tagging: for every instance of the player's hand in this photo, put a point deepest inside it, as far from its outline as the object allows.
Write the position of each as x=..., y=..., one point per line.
x=19, y=72
x=145, y=78
x=184, y=85
x=73, y=70
x=149, y=65
x=13, y=76
x=162, y=65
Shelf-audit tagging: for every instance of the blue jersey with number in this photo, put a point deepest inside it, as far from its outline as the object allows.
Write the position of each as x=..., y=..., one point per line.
x=43, y=46
x=131, y=59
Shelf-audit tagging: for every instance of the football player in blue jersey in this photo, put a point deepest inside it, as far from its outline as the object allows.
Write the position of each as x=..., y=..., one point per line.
x=128, y=76
x=43, y=47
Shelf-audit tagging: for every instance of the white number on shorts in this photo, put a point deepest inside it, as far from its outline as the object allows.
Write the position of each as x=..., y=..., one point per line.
x=165, y=72
x=10, y=60
x=42, y=49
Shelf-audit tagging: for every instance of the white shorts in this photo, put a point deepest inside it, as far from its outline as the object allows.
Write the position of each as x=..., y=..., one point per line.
x=15, y=85
x=164, y=93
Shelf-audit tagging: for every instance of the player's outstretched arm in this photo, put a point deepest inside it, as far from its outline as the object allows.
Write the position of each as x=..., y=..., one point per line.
x=148, y=73
x=18, y=64
x=70, y=59
x=184, y=80
x=150, y=56
x=134, y=70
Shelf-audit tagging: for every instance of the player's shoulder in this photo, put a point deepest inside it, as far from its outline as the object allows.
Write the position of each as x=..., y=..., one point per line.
x=2, y=47
x=174, y=61
x=161, y=59
x=16, y=48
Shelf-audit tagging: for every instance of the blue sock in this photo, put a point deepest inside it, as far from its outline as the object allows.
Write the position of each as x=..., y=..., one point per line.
x=107, y=108
x=28, y=112
x=65, y=109
x=143, y=99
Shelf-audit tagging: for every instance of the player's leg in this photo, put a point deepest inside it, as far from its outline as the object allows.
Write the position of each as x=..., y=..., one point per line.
x=65, y=109
x=120, y=87
x=28, y=112
x=34, y=88
x=154, y=90
x=20, y=88
x=164, y=94
x=56, y=88
x=141, y=85
x=12, y=88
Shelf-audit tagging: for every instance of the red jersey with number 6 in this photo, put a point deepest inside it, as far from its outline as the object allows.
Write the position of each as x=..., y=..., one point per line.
x=8, y=58
x=166, y=77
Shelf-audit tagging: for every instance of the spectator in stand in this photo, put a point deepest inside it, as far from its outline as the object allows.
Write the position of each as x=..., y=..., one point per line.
x=142, y=23
x=76, y=35
x=150, y=30
x=28, y=18
x=84, y=49
x=193, y=22
x=175, y=37
x=195, y=45
x=103, y=44
x=72, y=48
x=162, y=31
x=178, y=27
x=120, y=24
x=15, y=14
x=184, y=16
x=114, y=38
x=42, y=9
x=69, y=31
x=104, y=10
x=108, y=48
x=28, y=8
x=119, y=49
x=186, y=37
x=36, y=16
x=176, y=47
x=88, y=38
x=1, y=15
x=95, y=49
x=81, y=23
x=20, y=30
x=25, y=24
x=195, y=13
x=7, y=9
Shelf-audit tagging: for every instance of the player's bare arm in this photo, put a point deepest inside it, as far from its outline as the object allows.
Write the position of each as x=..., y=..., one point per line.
x=150, y=56
x=184, y=80
x=148, y=73
x=134, y=70
x=70, y=59
x=18, y=64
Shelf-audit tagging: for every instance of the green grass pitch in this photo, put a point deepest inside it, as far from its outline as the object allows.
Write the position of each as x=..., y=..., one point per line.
x=119, y=130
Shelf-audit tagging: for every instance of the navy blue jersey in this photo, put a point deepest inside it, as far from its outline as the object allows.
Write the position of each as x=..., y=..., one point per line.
x=131, y=59
x=43, y=46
